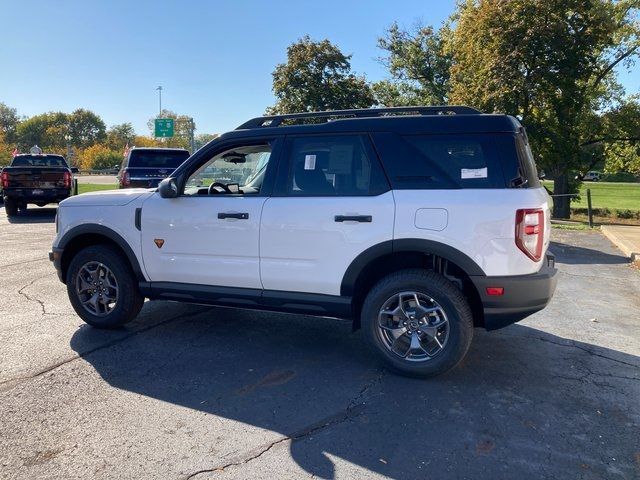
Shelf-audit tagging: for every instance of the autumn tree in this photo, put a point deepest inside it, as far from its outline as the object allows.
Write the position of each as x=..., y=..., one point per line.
x=99, y=157
x=317, y=76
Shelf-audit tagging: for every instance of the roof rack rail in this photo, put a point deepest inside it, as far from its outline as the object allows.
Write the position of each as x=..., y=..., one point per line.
x=277, y=120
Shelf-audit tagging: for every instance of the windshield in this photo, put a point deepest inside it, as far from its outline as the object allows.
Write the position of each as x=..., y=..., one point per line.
x=157, y=158
x=39, y=161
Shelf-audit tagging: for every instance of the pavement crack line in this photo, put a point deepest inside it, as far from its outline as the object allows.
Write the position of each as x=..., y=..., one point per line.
x=353, y=410
x=571, y=344
x=6, y=385
x=26, y=261
x=22, y=292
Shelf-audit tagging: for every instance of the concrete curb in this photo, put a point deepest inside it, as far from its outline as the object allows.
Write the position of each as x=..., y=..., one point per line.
x=626, y=238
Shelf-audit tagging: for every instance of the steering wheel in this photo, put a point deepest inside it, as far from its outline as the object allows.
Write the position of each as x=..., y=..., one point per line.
x=212, y=188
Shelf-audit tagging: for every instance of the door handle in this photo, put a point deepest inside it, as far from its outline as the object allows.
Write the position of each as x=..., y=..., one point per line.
x=353, y=218
x=239, y=216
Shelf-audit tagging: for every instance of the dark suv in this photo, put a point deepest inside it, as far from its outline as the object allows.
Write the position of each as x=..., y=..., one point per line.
x=146, y=167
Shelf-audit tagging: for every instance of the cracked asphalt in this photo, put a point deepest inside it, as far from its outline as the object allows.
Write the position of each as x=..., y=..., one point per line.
x=188, y=391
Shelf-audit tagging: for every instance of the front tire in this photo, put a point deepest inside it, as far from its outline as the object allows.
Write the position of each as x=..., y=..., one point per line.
x=10, y=207
x=102, y=287
x=417, y=322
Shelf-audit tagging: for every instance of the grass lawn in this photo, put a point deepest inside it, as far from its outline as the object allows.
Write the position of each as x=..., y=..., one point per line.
x=615, y=196
x=92, y=187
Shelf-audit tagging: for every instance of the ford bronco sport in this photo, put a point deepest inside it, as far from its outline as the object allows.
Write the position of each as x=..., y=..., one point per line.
x=415, y=223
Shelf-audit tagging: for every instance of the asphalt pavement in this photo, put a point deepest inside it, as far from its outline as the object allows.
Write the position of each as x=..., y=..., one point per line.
x=189, y=391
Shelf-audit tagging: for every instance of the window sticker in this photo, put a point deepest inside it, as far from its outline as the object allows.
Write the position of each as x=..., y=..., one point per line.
x=467, y=173
x=309, y=162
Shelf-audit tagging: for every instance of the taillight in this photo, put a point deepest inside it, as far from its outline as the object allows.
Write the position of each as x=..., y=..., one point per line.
x=5, y=179
x=125, y=181
x=67, y=179
x=530, y=232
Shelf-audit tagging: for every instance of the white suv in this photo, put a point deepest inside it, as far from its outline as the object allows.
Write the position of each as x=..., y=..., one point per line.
x=416, y=223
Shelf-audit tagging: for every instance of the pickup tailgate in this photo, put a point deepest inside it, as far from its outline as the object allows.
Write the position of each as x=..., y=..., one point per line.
x=36, y=177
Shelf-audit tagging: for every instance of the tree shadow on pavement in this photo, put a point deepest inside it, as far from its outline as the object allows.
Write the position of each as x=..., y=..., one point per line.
x=35, y=215
x=574, y=255
x=523, y=403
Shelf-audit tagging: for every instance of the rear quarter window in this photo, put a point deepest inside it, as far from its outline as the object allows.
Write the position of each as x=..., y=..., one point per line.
x=426, y=161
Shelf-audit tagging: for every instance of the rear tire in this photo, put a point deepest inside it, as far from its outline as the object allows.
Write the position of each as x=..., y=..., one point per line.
x=102, y=287
x=10, y=207
x=417, y=322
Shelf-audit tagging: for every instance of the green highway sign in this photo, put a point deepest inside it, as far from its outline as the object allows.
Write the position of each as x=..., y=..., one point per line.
x=164, y=127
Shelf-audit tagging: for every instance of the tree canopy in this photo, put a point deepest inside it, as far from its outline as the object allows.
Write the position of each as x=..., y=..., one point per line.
x=552, y=64
x=317, y=76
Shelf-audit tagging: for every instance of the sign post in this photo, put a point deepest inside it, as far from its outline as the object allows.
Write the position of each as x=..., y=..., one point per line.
x=164, y=127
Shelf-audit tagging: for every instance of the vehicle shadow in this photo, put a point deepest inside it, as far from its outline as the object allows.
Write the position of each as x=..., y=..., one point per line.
x=574, y=255
x=524, y=402
x=35, y=215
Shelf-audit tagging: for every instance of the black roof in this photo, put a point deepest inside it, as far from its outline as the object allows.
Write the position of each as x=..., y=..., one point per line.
x=405, y=120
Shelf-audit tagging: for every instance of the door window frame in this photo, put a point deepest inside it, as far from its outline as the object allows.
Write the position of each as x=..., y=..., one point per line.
x=285, y=165
x=204, y=156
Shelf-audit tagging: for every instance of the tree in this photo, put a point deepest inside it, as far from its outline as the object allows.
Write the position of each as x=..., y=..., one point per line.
x=46, y=130
x=85, y=128
x=552, y=64
x=181, y=133
x=118, y=136
x=99, y=157
x=203, y=138
x=316, y=77
x=419, y=64
x=8, y=122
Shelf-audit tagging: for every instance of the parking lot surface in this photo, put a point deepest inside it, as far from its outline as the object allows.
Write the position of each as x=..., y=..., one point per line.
x=189, y=391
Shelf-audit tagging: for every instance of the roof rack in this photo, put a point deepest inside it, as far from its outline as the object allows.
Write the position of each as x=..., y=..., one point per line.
x=277, y=120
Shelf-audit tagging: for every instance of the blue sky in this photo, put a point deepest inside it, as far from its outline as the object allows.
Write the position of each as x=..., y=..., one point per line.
x=214, y=59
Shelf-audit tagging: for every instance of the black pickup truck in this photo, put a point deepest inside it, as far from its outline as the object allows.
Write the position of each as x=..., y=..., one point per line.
x=38, y=179
x=145, y=167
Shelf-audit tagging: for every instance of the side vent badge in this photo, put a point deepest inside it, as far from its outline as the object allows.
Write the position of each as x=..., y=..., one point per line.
x=159, y=242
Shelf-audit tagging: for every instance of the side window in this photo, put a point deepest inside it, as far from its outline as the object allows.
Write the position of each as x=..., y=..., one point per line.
x=337, y=165
x=238, y=170
x=470, y=161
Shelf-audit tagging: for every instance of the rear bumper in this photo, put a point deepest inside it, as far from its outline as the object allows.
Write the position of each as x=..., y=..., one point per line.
x=523, y=295
x=53, y=195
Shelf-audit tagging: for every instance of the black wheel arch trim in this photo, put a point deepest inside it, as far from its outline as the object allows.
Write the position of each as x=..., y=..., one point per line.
x=470, y=267
x=96, y=229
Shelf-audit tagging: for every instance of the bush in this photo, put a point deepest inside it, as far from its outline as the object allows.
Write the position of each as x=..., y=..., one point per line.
x=99, y=157
x=628, y=213
x=620, y=177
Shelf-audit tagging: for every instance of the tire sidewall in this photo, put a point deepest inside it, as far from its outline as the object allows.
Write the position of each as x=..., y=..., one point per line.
x=129, y=300
x=455, y=308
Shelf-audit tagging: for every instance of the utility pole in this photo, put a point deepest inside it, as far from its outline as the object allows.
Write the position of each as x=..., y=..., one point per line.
x=159, y=89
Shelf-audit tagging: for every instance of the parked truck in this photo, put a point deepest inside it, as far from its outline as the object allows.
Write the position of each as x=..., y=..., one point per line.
x=35, y=178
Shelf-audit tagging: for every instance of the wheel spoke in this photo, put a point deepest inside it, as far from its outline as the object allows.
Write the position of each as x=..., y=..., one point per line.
x=395, y=332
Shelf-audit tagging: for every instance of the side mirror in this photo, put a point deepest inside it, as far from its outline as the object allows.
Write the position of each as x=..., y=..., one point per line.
x=75, y=170
x=168, y=188
x=541, y=175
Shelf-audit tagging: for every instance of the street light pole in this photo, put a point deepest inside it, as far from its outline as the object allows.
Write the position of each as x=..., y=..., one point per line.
x=159, y=89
